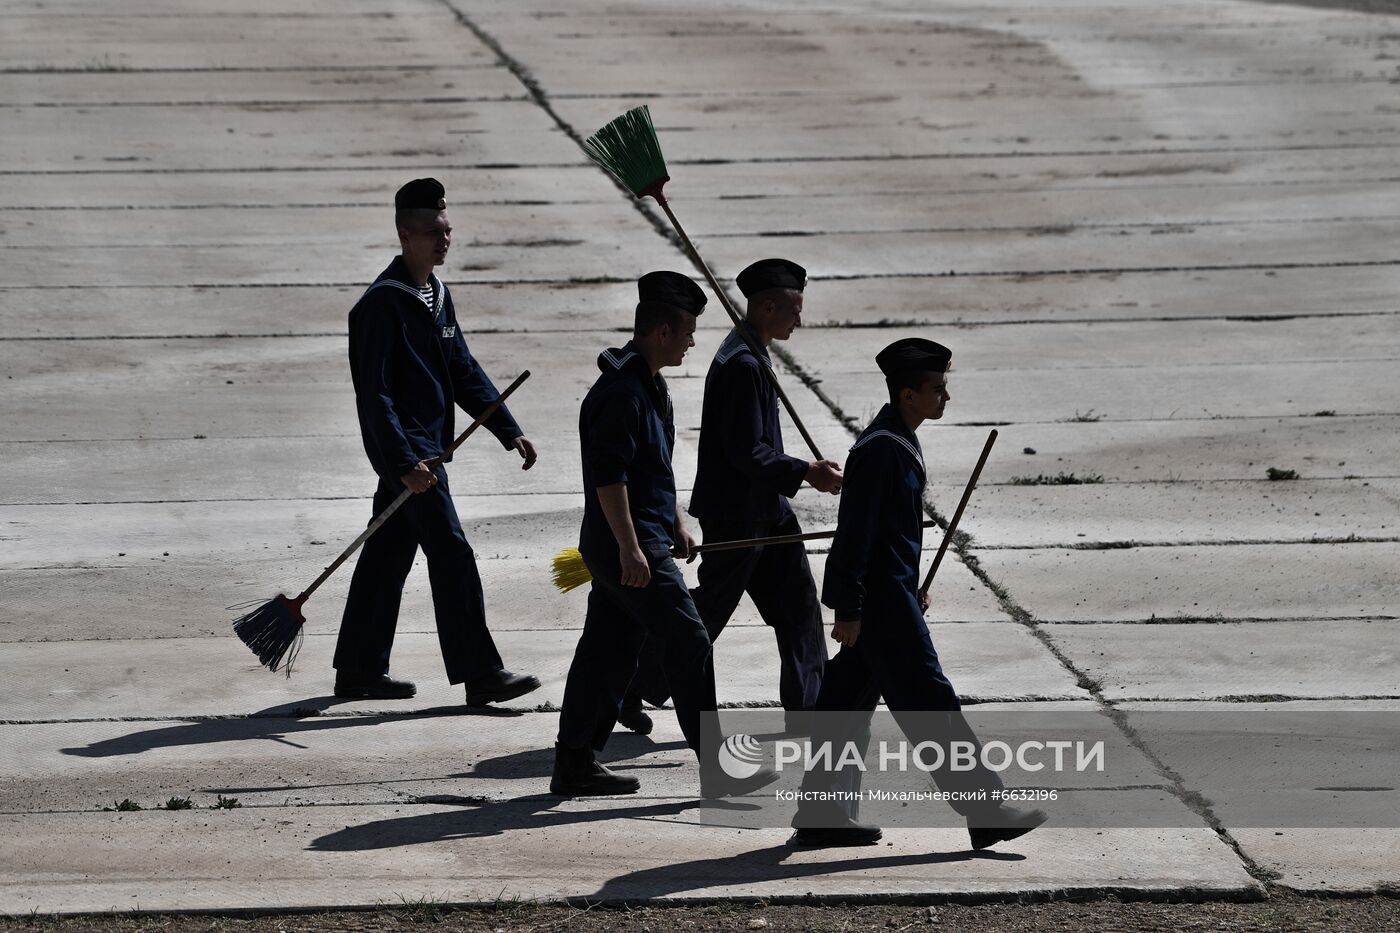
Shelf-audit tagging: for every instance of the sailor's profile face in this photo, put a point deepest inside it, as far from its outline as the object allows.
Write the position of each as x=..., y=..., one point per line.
x=426, y=237
x=676, y=340
x=932, y=397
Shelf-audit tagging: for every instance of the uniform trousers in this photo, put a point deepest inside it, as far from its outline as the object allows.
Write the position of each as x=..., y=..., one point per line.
x=892, y=658
x=620, y=618
x=778, y=578
x=427, y=520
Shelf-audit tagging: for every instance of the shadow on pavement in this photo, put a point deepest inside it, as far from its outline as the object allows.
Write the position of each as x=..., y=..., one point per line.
x=274, y=724
x=535, y=812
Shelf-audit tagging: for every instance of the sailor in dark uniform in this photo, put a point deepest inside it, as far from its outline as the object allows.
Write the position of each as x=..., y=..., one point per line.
x=410, y=366
x=872, y=585
x=631, y=536
x=742, y=488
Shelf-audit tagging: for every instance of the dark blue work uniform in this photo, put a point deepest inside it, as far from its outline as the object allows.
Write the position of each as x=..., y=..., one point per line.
x=626, y=432
x=872, y=574
x=742, y=487
x=410, y=365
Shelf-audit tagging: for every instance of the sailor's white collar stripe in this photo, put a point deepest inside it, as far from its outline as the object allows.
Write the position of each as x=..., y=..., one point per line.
x=440, y=290
x=618, y=361
x=913, y=451
x=411, y=290
x=734, y=345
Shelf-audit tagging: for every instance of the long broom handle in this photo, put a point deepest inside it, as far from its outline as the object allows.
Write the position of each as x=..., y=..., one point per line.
x=777, y=539
x=393, y=507
x=953, y=525
x=738, y=323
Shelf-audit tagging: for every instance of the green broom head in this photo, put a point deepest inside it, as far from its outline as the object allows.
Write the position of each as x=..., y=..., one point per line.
x=627, y=147
x=570, y=572
x=273, y=631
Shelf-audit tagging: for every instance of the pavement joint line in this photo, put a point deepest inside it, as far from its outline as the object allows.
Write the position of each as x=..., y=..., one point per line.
x=884, y=324
x=242, y=69
x=1016, y=274
x=1013, y=189
x=1049, y=229
x=408, y=798
x=779, y=160
x=1201, y=542
x=253, y=102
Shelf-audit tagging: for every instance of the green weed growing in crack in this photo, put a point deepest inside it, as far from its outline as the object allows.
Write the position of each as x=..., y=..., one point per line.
x=1085, y=417
x=178, y=803
x=126, y=805
x=1058, y=479
x=1275, y=474
x=425, y=909
x=225, y=803
x=513, y=904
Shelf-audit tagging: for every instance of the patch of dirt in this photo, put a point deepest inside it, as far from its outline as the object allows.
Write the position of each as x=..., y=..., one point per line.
x=1284, y=913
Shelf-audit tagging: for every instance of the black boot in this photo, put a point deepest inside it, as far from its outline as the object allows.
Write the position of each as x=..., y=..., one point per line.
x=848, y=833
x=632, y=716
x=500, y=687
x=372, y=686
x=1002, y=825
x=578, y=774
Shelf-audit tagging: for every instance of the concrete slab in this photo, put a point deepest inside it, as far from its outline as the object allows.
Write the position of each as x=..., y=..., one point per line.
x=1355, y=449
x=121, y=42
x=173, y=311
x=1126, y=345
x=1315, y=860
x=1167, y=295
x=294, y=84
x=170, y=677
x=135, y=189
x=1044, y=212
x=299, y=760
x=1147, y=169
x=230, y=136
x=378, y=855
x=109, y=594
x=1270, y=581
x=1246, y=390
x=1165, y=513
x=268, y=247
x=1317, y=658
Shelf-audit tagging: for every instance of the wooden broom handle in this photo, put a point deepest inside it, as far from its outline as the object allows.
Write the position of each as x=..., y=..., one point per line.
x=738, y=322
x=777, y=539
x=393, y=507
x=953, y=525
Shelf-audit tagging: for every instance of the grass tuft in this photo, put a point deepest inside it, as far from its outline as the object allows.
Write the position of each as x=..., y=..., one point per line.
x=1275, y=474
x=1058, y=479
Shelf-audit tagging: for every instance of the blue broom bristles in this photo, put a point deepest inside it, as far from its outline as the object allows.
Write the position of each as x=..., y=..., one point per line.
x=273, y=631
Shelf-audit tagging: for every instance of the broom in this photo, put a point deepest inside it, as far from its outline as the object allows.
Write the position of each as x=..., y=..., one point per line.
x=273, y=629
x=628, y=149
x=962, y=504
x=571, y=572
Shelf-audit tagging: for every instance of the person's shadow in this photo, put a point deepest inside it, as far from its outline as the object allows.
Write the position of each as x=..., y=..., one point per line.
x=481, y=818
x=273, y=724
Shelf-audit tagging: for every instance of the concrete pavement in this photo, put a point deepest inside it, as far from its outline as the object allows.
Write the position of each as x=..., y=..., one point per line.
x=1160, y=241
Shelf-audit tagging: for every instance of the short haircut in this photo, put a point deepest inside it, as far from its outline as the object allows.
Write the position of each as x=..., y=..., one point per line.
x=779, y=295
x=908, y=379
x=652, y=314
x=404, y=216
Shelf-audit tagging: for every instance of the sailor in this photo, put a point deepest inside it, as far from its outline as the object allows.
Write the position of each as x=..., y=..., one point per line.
x=632, y=535
x=742, y=488
x=872, y=585
x=410, y=366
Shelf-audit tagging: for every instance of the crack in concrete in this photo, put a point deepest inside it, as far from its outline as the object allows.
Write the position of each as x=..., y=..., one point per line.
x=1201, y=542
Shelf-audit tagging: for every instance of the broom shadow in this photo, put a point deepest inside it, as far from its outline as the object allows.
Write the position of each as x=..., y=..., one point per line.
x=273, y=724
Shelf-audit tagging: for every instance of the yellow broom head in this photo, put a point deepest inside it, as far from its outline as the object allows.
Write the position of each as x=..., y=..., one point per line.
x=569, y=570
